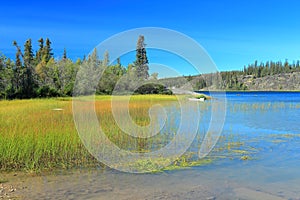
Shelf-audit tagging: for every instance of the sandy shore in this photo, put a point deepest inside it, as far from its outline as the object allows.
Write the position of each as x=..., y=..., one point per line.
x=113, y=185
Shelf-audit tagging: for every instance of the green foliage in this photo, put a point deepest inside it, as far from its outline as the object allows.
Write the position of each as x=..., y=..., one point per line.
x=109, y=79
x=90, y=71
x=201, y=96
x=153, y=88
x=47, y=91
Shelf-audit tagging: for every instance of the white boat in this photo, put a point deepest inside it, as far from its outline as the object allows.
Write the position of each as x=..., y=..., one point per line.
x=194, y=99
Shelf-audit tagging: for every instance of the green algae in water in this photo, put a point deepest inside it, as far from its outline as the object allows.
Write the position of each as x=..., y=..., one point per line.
x=157, y=165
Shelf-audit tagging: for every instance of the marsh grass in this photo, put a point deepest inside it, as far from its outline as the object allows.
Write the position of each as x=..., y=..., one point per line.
x=34, y=136
x=38, y=135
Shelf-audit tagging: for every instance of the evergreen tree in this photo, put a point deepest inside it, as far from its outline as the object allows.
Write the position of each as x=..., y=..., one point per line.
x=141, y=63
x=39, y=53
x=18, y=55
x=65, y=54
x=106, y=59
x=287, y=67
x=47, y=51
x=24, y=80
x=29, y=84
x=18, y=73
x=28, y=54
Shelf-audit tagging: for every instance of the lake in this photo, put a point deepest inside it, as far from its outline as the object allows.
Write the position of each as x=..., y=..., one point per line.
x=256, y=157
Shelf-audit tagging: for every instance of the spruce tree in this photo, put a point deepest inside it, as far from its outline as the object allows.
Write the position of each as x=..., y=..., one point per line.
x=18, y=73
x=18, y=55
x=141, y=62
x=118, y=61
x=106, y=59
x=28, y=54
x=65, y=54
x=47, y=51
x=39, y=53
x=29, y=73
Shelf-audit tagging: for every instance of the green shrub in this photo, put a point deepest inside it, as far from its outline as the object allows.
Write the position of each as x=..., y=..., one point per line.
x=153, y=88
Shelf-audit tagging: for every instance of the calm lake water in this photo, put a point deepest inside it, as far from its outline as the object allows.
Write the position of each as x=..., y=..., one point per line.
x=263, y=126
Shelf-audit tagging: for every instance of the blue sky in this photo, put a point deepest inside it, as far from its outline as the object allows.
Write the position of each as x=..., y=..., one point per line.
x=233, y=32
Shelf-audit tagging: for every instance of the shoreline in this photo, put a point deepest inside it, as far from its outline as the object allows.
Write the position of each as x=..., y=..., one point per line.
x=249, y=91
x=95, y=184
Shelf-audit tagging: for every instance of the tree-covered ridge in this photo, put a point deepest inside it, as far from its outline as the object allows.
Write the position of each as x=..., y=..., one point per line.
x=40, y=75
x=272, y=75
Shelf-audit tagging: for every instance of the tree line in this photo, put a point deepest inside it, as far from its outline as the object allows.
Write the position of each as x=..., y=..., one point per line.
x=271, y=68
x=37, y=74
x=232, y=80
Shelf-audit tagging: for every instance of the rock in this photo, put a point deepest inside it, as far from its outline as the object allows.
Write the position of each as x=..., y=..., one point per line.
x=288, y=81
x=210, y=198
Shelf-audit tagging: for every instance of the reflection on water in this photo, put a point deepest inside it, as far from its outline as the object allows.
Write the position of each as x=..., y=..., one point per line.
x=261, y=126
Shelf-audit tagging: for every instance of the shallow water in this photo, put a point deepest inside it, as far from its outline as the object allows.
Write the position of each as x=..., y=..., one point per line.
x=265, y=123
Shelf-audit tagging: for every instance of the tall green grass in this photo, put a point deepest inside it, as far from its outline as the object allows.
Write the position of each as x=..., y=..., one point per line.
x=40, y=134
x=36, y=134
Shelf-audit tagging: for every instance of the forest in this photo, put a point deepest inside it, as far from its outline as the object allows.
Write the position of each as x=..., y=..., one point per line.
x=38, y=75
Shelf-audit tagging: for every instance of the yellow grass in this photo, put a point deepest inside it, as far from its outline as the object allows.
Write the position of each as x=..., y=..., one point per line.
x=40, y=134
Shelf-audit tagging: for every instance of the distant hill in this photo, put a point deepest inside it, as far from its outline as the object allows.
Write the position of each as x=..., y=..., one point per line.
x=236, y=81
x=269, y=76
x=283, y=81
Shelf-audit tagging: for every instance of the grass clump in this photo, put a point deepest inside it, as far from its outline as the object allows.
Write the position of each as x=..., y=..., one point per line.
x=245, y=157
x=201, y=96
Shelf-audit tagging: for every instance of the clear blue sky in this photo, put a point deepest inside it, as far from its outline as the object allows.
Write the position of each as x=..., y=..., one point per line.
x=234, y=32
